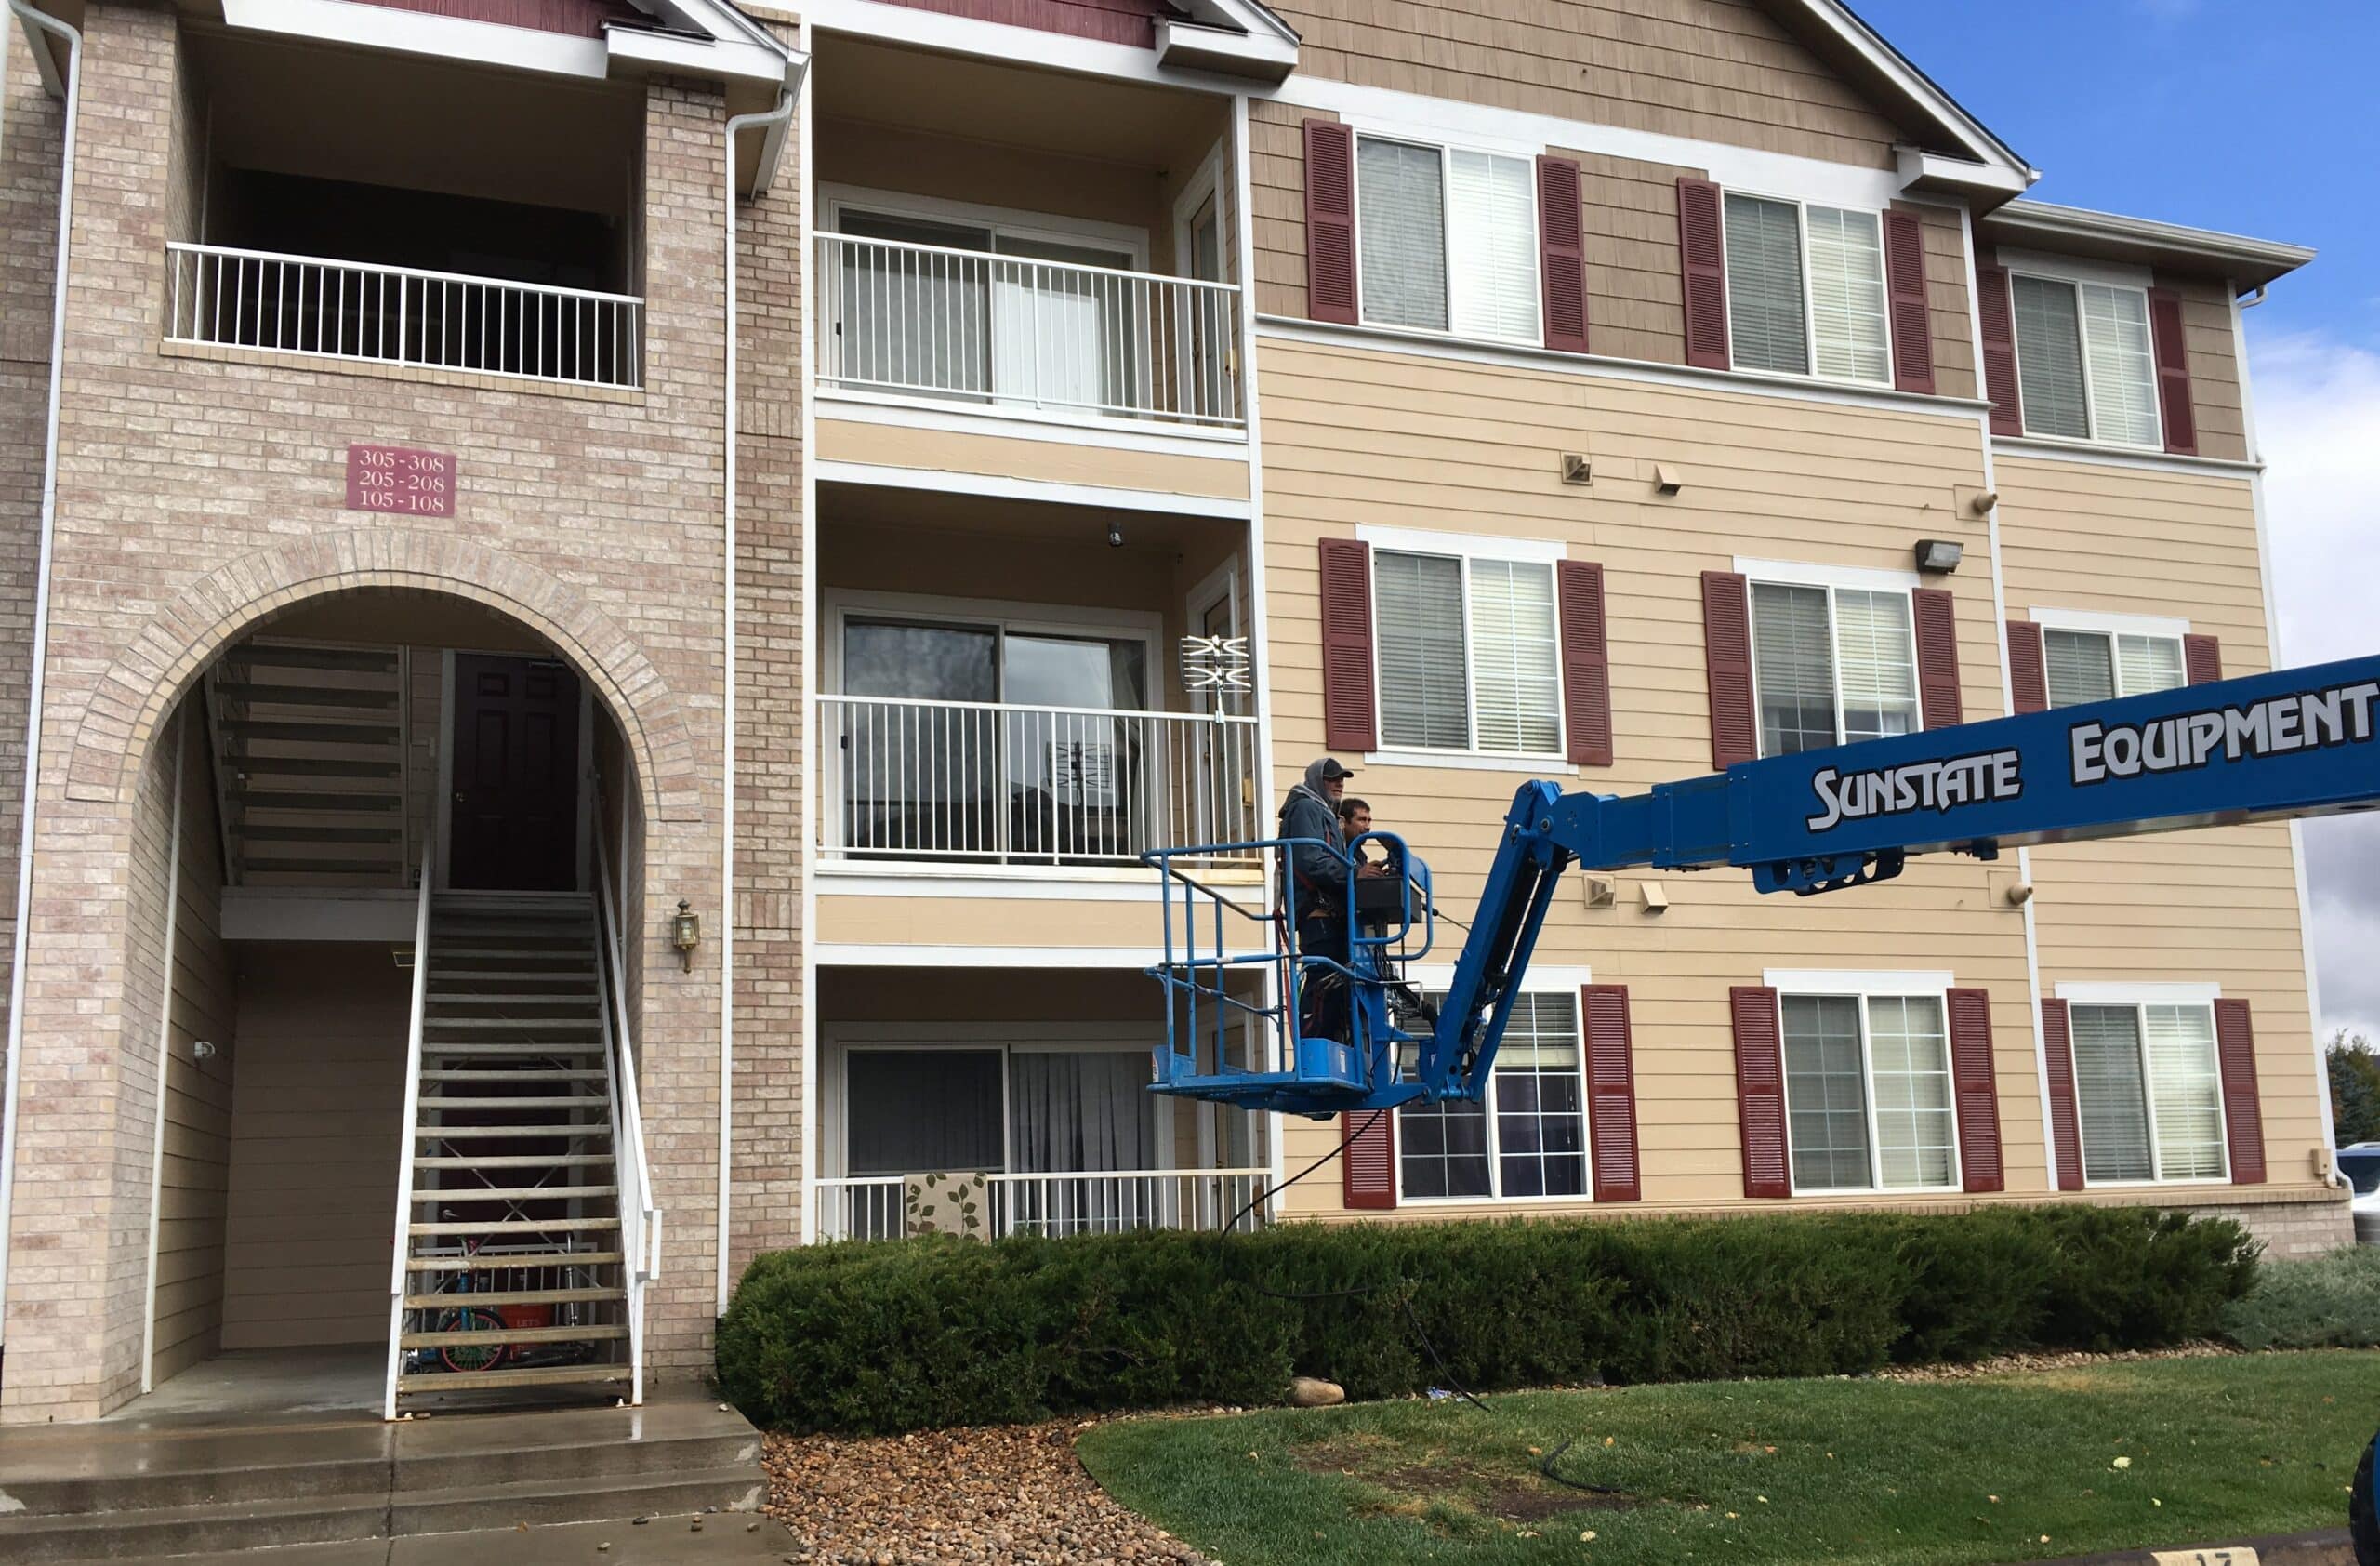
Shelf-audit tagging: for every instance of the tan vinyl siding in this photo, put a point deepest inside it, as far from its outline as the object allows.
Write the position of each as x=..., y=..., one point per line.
x=2218, y=906
x=1636, y=300
x=1354, y=437
x=1222, y=477
x=990, y=923
x=1276, y=183
x=194, y=1175
x=314, y=1141
x=2214, y=367
x=1948, y=282
x=1712, y=70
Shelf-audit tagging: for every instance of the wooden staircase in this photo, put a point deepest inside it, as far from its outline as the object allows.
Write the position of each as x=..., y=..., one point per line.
x=310, y=754
x=515, y=1273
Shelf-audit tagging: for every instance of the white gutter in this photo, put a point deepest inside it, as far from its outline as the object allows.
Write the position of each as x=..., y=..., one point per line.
x=737, y=125
x=35, y=22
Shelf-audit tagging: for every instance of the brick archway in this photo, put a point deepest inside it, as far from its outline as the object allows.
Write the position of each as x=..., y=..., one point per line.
x=133, y=699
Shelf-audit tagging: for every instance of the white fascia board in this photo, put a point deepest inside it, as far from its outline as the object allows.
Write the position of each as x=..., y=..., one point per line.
x=1414, y=540
x=1921, y=170
x=2108, y=624
x=2143, y=240
x=1811, y=573
x=1190, y=46
x=1857, y=981
x=705, y=60
x=2139, y=994
x=378, y=27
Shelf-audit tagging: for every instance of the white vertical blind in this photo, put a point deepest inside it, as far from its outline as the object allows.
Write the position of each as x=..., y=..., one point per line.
x=1879, y=663
x=1400, y=218
x=2184, y=1092
x=1424, y=698
x=1491, y=237
x=1793, y=668
x=1767, y=326
x=2109, y=1101
x=1825, y=1098
x=1909, y=1054
x=1516, y=656
x=2123, y=373
x=2081, y=667
x=2149, y=663
x=1847, y=295
x=2049, y=358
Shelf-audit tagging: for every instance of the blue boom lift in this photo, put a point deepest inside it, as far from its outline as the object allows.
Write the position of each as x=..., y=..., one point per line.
x=2294, y=743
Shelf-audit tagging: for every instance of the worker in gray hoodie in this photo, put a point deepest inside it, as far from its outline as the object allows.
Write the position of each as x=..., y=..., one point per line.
x=1314, y=891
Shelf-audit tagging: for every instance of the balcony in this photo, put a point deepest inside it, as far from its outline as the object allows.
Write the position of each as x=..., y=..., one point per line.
x=1014, y=332
x=986, y=783
x=884, y=1206
x=356, y=312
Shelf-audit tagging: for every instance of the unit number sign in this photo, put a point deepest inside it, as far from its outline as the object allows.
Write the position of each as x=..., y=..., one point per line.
x=399, y=479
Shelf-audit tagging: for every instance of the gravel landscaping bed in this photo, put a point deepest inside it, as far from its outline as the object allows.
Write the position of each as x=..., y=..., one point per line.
x=1007, y=1494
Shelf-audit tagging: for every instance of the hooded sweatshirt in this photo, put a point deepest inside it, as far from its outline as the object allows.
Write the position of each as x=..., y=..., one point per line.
x=1320, y=877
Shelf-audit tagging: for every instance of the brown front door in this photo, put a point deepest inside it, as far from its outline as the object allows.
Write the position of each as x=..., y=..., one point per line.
x=516, y=775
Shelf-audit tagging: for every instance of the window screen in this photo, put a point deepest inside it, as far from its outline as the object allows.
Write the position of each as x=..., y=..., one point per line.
x=2049, y=358
x=1793, y=663
x=1909, y=1054
x=1826, y=1098
x=1400, y=215
x=1767, y=327
x=1424, y=698
x=2184, y=1092
x=921, y=1111
x=2124, y=374
x=2110, y=1100
x=1879, y=663
x=1492, y=232
x=1516, y=655
x=1847, y=295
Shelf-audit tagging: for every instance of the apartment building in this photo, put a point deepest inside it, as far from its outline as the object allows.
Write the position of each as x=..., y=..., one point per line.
x=602, y=597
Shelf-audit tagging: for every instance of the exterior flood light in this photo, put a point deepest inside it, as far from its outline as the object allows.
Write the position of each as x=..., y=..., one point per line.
x=1939, y=556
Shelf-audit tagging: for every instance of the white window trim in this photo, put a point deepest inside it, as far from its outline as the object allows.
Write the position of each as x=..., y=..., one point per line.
x=2109, y=624
x=2137, y=998
x=1445, y=148
x=1541, y=980
x=1809, y=305
x=1008, y=221
x=1833, y=579
x=1864, y=987
x=1468, y=550
x=2065, y=274
x=2074, y=269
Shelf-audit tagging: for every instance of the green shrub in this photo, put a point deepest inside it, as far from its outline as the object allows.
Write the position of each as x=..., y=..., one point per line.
x=902, y=1336
x=2322, y=1302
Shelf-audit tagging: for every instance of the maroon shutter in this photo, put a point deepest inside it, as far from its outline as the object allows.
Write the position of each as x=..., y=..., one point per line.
x=1935, y=614
x=2173, y=371
x=1348, y=709
x=2202, y=656
x=2235, y=1046
x=2027, y=666
x=1330, y=222
x=1997, y=316
x=1904, y=281
x=1562, y=251
x=1586, y=664
x=1760, y=1090
x=2058, y=1053
x=1611, y=1093
x=1702, y=259
x=1726, y=661
x=1367, y=1172
x=1977, y=1090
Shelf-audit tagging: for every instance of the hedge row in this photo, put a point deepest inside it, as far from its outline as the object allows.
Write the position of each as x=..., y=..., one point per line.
x=903, y=1335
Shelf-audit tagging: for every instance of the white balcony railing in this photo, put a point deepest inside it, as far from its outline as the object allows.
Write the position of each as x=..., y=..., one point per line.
x=1001, y=784
x=360, y=312
x=871, y=1207
x=1014, y=332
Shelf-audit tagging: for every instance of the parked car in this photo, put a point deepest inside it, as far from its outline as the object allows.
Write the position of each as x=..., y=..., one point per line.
x=2360, y=1165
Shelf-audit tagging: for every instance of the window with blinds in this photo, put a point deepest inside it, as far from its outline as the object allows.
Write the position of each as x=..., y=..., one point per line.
x=1447, y=239
x=1534, y=1141
x=2098, y=666
x=1830, y=665
x=1868, y=1101
x=2148, y=1093
x=1806, y=290
x=1468, y=652
x=2085, y=367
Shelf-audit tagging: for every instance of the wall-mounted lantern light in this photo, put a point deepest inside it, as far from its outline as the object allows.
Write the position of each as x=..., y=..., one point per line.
x=686, y=932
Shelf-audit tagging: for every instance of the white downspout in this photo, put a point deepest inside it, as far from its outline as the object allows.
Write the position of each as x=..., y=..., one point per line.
x=35, y=22
x=736, y=126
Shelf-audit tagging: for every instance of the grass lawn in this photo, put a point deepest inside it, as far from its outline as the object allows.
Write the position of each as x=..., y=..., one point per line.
x=1835, y=1470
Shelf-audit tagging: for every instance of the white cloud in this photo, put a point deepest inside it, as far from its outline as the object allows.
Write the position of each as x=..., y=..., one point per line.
x=2318, y=420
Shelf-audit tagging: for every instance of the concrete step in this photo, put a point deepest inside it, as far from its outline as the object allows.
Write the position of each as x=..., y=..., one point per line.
x=255, y=1522
x=739, y=1488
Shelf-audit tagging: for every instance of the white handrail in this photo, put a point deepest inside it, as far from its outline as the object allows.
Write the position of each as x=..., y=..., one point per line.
x=552, y=290
x=1187, y=283
x=399, y=1263
x=641, y=1238
x=1067, y=1201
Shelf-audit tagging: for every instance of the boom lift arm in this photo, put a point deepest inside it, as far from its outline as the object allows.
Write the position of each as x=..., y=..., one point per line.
x=2269, y=747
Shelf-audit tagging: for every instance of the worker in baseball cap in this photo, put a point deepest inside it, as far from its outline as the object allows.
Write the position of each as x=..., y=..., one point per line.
x=1314, y=891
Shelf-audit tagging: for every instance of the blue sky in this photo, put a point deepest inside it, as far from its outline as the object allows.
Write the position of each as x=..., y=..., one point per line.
x=2250, y=115
x=2254, y=117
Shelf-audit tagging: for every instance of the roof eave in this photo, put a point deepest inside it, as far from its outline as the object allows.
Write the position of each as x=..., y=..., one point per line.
x=2248, y=262
x=1189, y=45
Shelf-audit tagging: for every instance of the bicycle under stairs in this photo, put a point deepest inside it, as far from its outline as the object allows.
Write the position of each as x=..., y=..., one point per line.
x=517, y=1275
